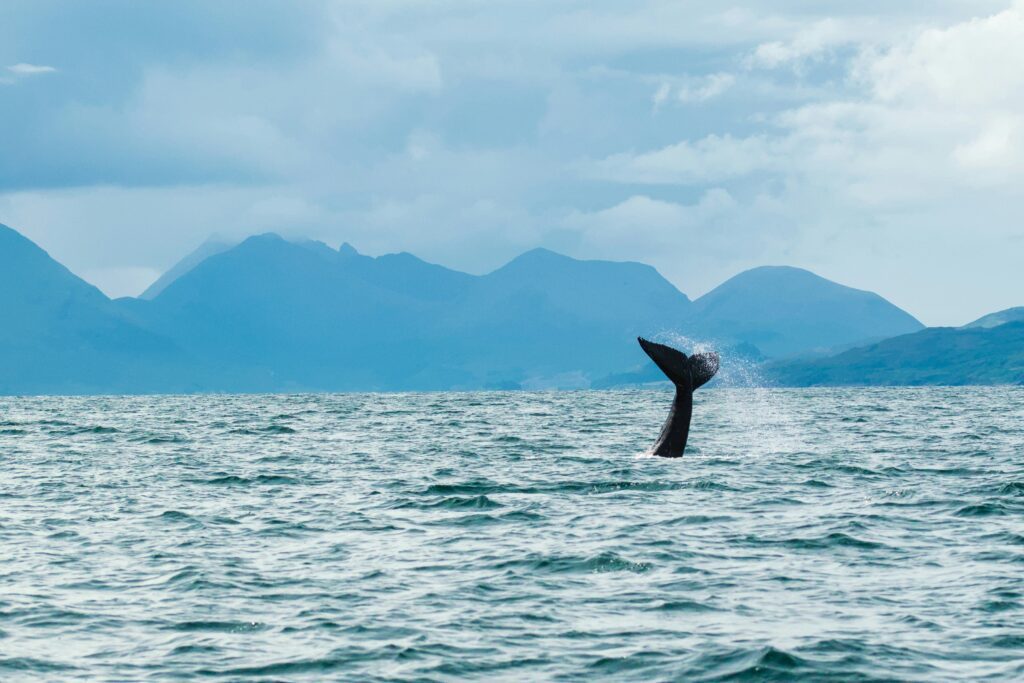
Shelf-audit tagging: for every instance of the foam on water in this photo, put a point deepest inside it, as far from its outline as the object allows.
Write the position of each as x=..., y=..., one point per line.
x=829, y=534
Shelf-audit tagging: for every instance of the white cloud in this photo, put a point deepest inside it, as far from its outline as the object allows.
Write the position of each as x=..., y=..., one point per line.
x=661, y=95
x=711, y=159
x=23, y=69
x=933, y=112
x=642, y=227
x=809, y=43
x=692, y=90
x=977, y=63
x=845, y=137
x=914, y=165
x=708, y=88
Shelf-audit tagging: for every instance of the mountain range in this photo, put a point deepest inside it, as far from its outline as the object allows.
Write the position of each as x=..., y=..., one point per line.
x=989, y=352
x=270, y=314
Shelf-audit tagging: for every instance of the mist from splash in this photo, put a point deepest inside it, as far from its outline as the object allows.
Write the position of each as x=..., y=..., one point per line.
x=752, y=401
x=735, y=370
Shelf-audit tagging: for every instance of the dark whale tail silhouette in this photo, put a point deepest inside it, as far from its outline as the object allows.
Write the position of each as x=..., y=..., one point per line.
x=687, y=373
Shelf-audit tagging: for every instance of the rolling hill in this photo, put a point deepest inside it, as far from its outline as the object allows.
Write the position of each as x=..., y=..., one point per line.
x=785, y=311
x=935, y=356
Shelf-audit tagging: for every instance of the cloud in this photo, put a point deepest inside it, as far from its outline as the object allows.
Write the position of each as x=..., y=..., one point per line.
x=30, y=69
x=811, y=42
x=21, y=70
x=930, y=114
x=711, y=87
x=840, y=137
x=710, y=159
x=649, y=229
x=914, y=163
x=973, y=64
x=651, y=222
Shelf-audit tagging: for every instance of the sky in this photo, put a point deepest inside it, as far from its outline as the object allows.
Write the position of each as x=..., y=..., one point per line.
x=879, y=144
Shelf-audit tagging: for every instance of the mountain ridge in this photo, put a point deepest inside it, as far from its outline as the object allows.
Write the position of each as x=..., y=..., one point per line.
x=784, y=310
x=271, y=314
x=933, y=356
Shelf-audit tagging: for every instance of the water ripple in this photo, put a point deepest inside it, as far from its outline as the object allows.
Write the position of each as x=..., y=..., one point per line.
x=869, y=534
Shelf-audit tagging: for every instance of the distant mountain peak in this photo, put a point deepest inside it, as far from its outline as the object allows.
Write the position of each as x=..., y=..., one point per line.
x=27, y=269
x=779, y=275
x=539, y=255
x=347, y=249
x=784, y=310
x=542, y=252
x=998, y=318
x=265, y=238
x=211, y=247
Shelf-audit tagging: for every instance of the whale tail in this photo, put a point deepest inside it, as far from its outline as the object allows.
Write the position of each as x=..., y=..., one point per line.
x=684, y=371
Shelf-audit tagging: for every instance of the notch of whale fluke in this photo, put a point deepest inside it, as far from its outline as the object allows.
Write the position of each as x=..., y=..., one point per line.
x=687, y=373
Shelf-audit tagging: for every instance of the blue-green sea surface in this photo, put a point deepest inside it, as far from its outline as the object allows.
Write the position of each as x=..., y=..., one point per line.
x=852, y=534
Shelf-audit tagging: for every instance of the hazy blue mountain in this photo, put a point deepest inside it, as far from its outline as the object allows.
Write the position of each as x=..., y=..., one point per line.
x=270, y=314
x=998, y=318
x=277, y=315
x=940, y=355
x=785, y=311
x=62, y=335
x=549, y=320
x=209, y=248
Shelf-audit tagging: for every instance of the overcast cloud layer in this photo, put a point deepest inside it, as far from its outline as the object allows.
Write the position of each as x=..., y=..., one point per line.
x=881, y=146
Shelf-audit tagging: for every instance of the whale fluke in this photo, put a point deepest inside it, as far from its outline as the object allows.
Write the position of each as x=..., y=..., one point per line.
x=687, y=373
x=703, y=367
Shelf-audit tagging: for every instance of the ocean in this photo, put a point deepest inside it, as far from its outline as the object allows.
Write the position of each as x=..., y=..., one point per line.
x=826, y=534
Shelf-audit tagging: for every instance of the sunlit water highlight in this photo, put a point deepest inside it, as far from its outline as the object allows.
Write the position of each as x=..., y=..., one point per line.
x=832, y=534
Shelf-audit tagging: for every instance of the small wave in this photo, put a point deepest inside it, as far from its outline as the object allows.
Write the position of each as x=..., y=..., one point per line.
x=605, y=562
x=158, y=440
x=176, y=516
x=66, y=534
x=257, y=431
x=234, y=480
x=92, y=429
x=1004, y=641
x=188, y=574
x=54, y=619
x=982, y=510
x=283, y=527
x=580, y=487
x=219, y=626
x=1013, y=488
x=695, y=519
x=32, y=665
x=684, y=606
x=453, y=503
x=836, y=539
x=632, y=663
x=711, y=485
x=194, y=649
x=467, y=488
x=603, y=487
x=995, y=606
x=485, y=519
x=767, y=663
